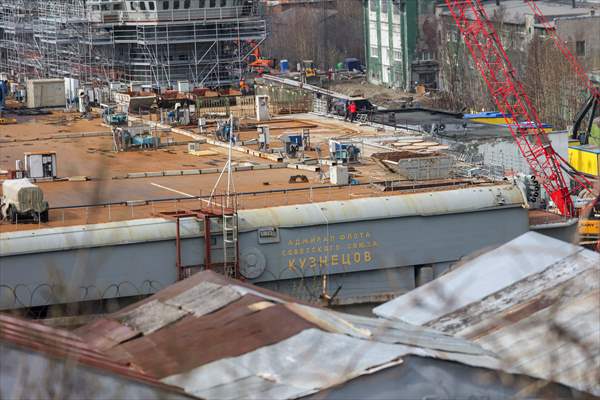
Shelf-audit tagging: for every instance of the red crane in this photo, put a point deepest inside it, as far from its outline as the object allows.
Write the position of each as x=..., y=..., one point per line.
x=592, y=105
x=512, y=101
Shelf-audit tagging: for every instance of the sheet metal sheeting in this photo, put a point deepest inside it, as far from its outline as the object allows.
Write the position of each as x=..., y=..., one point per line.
x=235, y=341
x=151, y=317
x=533, y=301
x=204, y=298
x=106, y=333
x=298, y=366
x=193, y=341
x=66, y=346
x=411, y=335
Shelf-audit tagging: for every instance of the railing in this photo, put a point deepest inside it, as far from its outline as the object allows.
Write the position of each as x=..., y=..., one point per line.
x=204, y=14
x=129, y=210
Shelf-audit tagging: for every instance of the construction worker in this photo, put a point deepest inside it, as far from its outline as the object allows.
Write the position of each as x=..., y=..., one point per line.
x=243, y=86
x=346, y=110
x=3, y=94
x=352, y=109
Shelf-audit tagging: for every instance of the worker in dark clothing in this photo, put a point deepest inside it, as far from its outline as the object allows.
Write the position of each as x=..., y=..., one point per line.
x=352, y=109
x=346, y=110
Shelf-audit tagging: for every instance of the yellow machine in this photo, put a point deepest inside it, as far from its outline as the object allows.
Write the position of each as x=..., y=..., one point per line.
x=309, y=68
x=589, y=228
x=585, y=158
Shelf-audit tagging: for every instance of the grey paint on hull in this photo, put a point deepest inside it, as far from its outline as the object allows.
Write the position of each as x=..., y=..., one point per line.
x=143, y=268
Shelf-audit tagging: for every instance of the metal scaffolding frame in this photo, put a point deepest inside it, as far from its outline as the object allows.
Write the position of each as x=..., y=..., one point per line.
x=58, y=38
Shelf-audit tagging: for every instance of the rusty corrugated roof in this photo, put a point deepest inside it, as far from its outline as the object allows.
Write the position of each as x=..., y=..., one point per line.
x=64, y=345
x=204, y=315
x=221, y=338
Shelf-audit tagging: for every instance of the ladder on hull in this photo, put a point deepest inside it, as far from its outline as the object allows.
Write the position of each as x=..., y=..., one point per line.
x=221, y=255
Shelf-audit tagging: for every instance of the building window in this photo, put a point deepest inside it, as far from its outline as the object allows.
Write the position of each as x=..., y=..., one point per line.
x=397, y=55
x=132, y=5
x=166, y=5
x=384, y=6
x=373, y=5
x=142, y=6
x=151, y=5
x=201, y=3
x=213, y=3
x=580, y=48
x=399, y=7
x=223, y=3
x=374, y=51
x=186, y=4
x=176, y=5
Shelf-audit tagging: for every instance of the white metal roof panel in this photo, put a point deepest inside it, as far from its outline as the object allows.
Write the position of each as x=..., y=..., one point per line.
x=151, y=316
x=534, y=302
x=303, y=364
x=204, y=298
x=526, y=255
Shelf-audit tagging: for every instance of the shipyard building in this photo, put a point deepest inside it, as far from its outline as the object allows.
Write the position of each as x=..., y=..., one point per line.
x=157, y=43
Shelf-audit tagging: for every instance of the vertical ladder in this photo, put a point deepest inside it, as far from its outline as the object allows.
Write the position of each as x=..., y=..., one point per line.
x=230, y=245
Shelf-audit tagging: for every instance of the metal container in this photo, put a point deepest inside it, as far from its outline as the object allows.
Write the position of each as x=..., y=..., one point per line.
x=45, y=93
x=416, y=166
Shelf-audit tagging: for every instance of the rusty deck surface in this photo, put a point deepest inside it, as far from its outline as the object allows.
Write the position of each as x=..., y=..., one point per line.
x=132, y=198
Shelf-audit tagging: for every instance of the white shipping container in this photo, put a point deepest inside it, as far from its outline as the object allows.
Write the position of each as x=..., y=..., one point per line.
x=45, y=93
x=338, y=175
x=41, y=165
x=183, y=86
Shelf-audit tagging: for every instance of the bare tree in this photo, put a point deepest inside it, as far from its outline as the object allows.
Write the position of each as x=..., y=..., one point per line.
x=325, y=34
x=552, y=85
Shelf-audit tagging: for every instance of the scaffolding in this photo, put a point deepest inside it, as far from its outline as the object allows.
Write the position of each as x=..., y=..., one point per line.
x=101, y=40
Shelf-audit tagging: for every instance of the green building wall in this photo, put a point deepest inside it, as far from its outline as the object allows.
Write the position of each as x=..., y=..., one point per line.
x=399, y=70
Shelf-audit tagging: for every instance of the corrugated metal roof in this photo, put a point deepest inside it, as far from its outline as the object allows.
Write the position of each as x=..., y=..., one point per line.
x=157, y=229
x=475, y=279
x=303, y=364
x=236, y=340
x=64, y=345
x=533, y=301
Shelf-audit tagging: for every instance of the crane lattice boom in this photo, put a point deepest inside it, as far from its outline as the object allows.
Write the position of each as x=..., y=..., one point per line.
x=522, y=119
x=562, y=47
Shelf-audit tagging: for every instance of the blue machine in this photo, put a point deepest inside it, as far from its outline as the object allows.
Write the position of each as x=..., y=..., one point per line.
x=294, y=144
x=223, y=132
x=284, y=66
x=353, y=64
x=296, y=139
x=144, y=140
x=3, y=94
x=343, y=152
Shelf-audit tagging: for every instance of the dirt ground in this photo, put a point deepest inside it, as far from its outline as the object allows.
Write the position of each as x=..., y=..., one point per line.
x=379, y=95
x=94, y=157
